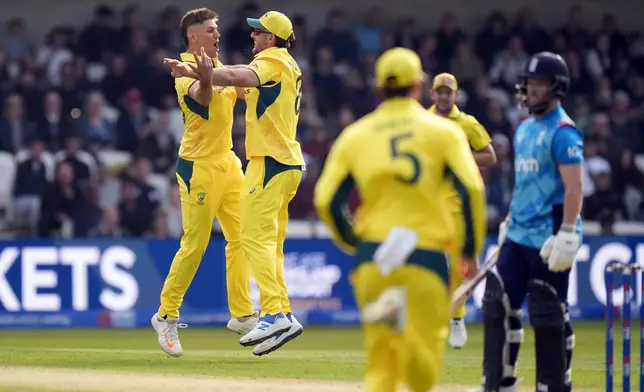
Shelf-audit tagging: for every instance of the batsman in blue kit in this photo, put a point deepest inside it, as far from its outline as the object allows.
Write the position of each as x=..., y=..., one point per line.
x=539, y=239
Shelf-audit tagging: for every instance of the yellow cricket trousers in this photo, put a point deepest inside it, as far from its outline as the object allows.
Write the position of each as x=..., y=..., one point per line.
x=414, y=356
x=268, y=189
x=454, y=260
x=209, y=188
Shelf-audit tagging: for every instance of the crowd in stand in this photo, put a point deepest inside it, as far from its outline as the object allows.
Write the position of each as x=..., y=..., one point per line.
x=91, y=116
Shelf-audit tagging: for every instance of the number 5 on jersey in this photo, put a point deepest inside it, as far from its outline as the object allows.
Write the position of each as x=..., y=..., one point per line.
x=397, y=152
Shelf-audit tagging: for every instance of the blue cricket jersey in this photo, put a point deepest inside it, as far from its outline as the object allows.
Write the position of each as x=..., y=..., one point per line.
x=540, y=146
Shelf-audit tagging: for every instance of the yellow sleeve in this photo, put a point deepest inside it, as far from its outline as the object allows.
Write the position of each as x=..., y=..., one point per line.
x=182, y=85
x=476, y=134
x=466, y=179
x=331, y=195
x=267, y=70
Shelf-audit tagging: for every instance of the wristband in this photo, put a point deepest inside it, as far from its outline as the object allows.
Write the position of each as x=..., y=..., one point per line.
x=568, y=228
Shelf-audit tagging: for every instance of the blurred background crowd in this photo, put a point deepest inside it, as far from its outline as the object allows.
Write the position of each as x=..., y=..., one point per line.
x=90, y=124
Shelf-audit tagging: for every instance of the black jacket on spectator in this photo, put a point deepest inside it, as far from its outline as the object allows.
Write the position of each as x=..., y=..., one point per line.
x=127, y=133
x=31, y=178
x=343, y=45
x=55, y=133
x=58, y=202
x=13, y=141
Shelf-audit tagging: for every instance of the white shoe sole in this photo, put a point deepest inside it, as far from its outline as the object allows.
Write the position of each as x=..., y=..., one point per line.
x=266, y=348
x=280, y=326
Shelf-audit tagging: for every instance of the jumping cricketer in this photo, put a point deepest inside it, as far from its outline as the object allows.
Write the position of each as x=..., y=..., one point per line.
x=403, y=161
x=540, y=238
x=444, y=93
x=211, y=181
x=273, y=93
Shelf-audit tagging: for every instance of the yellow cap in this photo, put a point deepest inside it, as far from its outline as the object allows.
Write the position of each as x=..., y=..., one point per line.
x=274, y=22
x=398, y=68
x=445, y=80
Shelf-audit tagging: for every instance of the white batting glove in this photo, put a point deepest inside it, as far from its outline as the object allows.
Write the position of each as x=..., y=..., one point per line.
x=503, y=231
x=563, y=249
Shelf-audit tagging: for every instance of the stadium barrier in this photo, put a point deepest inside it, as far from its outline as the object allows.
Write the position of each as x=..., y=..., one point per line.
x=83, y=283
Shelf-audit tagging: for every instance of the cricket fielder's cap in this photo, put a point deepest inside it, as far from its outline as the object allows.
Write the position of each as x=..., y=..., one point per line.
x=445, y=80
x=398, y=68
x=274, y=22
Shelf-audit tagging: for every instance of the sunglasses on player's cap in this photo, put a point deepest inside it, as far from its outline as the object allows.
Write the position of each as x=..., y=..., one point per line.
x=273, y=22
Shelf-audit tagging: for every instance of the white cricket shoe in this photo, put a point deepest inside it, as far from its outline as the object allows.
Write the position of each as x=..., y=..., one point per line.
x=274, y=343
x=243, y=325
x=389, y=308
x=267, y=327
x=457, y=333
x=168, y=334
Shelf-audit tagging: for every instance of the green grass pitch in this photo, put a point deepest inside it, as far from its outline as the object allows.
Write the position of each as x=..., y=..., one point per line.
x=319, y=354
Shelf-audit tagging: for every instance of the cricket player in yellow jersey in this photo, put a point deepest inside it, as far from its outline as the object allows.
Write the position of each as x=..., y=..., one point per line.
x=211, y=181
x=402, y=160
x=444, y=93
x=273, y=92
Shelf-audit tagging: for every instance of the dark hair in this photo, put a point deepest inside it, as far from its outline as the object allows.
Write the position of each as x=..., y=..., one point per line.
x=282, y=43
x=194, y=17
x=394, y=92
x=397, y=92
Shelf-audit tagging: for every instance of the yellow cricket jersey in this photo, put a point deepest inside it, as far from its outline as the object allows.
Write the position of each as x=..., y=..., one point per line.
x=273, y=108
x=403, y=161
x=476, y=135
x=207, y=129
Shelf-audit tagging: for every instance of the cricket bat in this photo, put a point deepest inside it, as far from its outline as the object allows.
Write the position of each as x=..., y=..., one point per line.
x=465, y=290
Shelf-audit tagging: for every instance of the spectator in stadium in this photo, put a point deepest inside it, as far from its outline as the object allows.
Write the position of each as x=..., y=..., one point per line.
x=15, y=131
x=132, y=121
x=465, y=66
x=53, y=55
x=16, y=44
x=167, y=36
x=448, y=37
x=95, y=128
x=30, y=184
x=62, y=204
x=338, y=38
x=623, y=125
x=507, y=64
x=159, y=230
x=369, y=33
x=32, y=96
x=327, y=83
x=158, y=145
x=71, y=90
x=236, y=36
x=109, y=226
x=100, y=36
x=492, y=38
x=140, y=200
x=117, y=80
x=605, y=199
x=73, y=154
x=405, y=34
x=54, y=127
x=534, y=36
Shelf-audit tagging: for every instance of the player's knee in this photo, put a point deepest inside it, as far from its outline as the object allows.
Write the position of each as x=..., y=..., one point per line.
x=515, y=333
x=544, y=305
x=496, y=304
